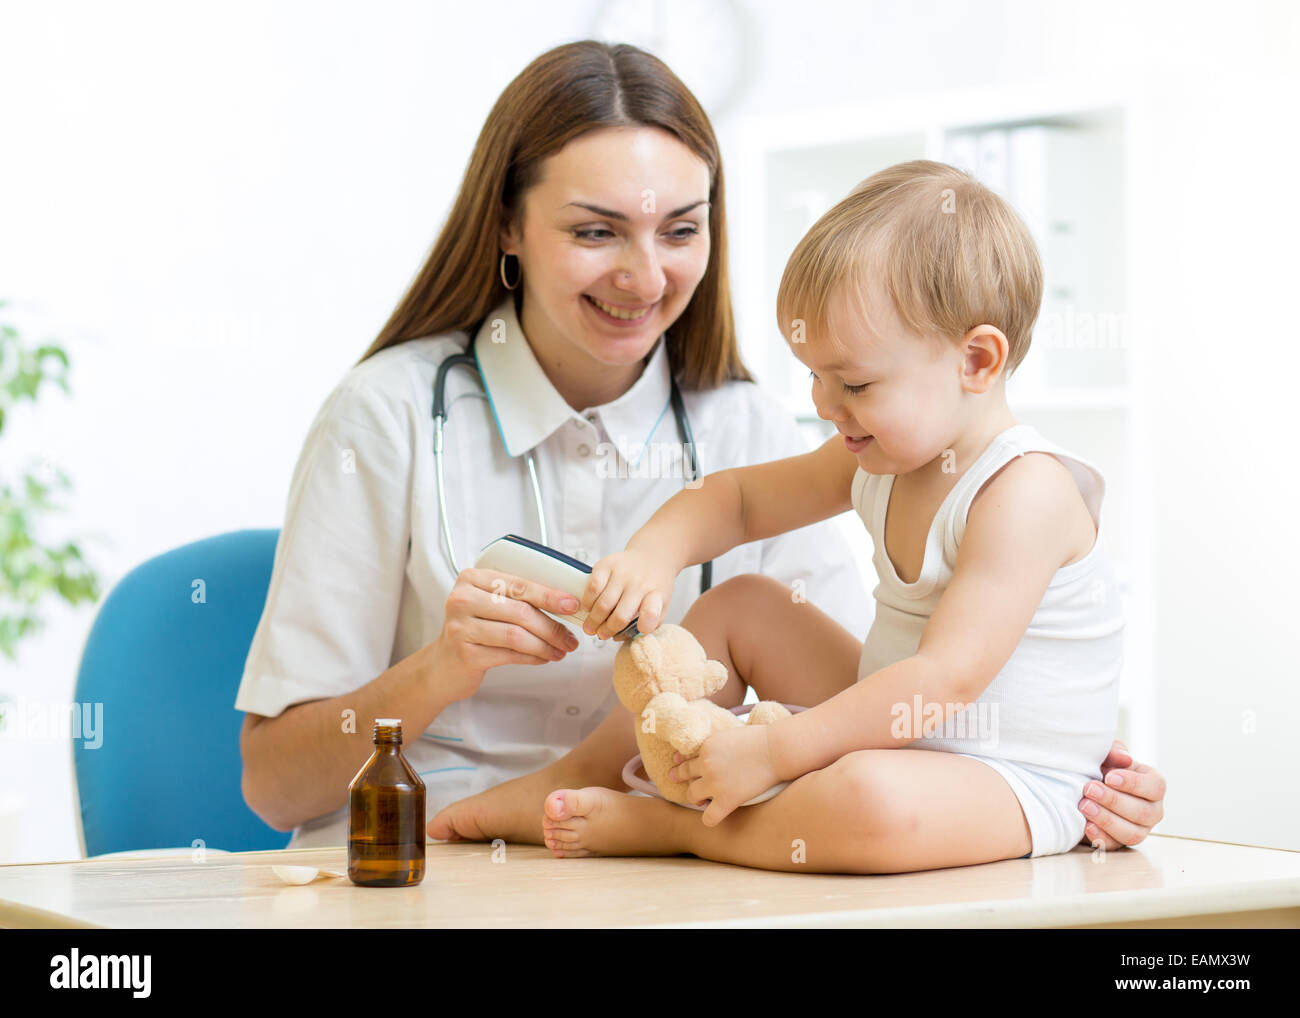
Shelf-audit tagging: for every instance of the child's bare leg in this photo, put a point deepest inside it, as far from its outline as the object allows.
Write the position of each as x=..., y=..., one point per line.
x=789, y=650
x=873, y=811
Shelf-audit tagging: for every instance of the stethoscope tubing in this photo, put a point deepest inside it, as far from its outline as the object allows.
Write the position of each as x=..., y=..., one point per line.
x=469, y=360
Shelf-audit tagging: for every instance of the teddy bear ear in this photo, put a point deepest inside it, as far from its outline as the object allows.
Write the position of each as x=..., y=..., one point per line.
x=702, y=679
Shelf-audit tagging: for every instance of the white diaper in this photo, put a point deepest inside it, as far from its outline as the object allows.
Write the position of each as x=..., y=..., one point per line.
x=1050, y=800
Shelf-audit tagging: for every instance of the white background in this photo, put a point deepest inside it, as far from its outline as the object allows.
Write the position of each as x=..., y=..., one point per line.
x=216, y=206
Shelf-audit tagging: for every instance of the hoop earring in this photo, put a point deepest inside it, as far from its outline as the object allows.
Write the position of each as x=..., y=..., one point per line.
x=518, y=274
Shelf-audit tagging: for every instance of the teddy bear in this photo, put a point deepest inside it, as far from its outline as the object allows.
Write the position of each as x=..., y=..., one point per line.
x=664, y=679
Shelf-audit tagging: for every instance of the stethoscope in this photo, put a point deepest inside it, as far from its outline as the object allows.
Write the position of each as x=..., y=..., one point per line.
x=469, y=360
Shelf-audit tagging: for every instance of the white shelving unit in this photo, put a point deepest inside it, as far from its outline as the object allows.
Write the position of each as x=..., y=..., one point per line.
x=1059, y=158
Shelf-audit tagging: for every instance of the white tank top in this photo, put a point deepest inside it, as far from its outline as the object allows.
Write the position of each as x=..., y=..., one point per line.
x=1055, y=701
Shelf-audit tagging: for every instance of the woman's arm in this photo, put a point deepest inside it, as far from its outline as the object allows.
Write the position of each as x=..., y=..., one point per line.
x=298, y=765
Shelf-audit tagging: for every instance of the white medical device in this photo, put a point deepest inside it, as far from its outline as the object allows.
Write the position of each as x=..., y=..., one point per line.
x=532, y=561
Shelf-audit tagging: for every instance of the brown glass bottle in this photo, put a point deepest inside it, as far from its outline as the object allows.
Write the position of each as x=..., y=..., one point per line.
x=386, y=815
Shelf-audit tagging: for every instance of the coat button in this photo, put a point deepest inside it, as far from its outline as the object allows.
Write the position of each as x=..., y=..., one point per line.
x=584, y=449
x=571, y=710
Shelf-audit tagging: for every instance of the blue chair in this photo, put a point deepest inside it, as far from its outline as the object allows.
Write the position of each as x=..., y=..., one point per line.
x=166, y=661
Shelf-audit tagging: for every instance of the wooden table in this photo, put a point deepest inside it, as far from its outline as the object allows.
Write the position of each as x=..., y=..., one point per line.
x=1166, y=882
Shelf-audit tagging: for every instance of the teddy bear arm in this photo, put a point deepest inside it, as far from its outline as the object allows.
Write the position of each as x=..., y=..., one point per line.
x=767, y=711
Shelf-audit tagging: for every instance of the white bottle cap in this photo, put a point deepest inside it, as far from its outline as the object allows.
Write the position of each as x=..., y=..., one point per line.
x=388, y=721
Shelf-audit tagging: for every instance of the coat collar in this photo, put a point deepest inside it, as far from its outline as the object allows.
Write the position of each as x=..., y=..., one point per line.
x=528, y=409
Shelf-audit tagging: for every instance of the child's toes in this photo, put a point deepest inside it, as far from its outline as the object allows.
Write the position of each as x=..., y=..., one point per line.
x=563, y=836
x=555, y=808
x=580, y=853
x=565, y=844
x=567, y=803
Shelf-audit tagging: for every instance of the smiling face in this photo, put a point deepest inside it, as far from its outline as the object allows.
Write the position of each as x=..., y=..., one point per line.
x=613, y=241
x=896, y=397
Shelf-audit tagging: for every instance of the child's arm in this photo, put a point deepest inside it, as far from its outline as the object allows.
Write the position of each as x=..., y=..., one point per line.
x=1012, y=546
x=728, y=508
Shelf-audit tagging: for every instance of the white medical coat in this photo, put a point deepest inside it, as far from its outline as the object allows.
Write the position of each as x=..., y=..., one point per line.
x=360, y=579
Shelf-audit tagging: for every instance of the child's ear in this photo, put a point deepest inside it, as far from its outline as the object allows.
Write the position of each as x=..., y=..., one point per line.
x=983, y=358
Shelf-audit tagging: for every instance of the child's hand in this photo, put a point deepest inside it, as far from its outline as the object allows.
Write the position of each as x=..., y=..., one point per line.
x=625, y=586
x=732, y=767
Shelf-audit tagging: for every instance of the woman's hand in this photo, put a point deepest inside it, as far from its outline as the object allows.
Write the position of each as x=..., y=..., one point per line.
x=624, y=586
x=731, y=767
x=494, y=618
x=1126, y=805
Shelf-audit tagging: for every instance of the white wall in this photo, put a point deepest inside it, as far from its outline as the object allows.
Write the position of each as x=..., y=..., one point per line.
x=216, y=208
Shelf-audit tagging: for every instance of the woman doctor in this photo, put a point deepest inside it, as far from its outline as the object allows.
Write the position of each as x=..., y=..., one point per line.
x=586, y=256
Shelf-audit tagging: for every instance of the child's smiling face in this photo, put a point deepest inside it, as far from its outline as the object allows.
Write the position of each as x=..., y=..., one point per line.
x=895, y=396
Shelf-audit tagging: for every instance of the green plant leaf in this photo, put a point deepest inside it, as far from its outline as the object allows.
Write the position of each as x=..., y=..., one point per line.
x=50, y=350
x=30, y=570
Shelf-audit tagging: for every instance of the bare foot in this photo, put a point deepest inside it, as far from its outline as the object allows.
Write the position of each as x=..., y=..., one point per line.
x=509, y=811
x=601, y=821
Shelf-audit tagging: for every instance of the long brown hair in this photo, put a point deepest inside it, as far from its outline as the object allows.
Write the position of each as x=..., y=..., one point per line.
x=566, y=92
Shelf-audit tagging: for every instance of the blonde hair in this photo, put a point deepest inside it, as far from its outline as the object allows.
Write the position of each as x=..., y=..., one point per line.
x=947, y=251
